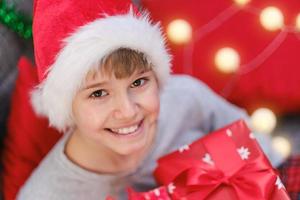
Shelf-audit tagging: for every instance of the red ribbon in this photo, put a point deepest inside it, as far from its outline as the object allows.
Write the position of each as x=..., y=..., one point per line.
x=251, y=179
x=254, y=181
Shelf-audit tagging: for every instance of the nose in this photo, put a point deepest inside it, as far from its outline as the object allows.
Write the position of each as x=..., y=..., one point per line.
x=126, y=107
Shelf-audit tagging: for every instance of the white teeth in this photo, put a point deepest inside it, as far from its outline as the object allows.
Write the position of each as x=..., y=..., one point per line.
x=126, y=130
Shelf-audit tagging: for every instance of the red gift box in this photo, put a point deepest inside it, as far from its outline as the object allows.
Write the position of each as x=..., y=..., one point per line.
x=160, y=193
x=225, y=164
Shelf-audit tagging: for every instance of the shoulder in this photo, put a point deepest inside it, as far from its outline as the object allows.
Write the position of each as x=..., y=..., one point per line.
x=181, y=99
x=184, y=82
x=43, y=181
x=186, y=89
x=58, y=178
x=179, y=89
x=185, y=85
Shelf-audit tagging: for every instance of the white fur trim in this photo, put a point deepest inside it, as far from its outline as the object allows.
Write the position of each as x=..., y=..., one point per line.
x=84, y=49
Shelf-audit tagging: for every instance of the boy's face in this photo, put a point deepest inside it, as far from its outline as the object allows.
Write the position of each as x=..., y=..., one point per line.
x=119, y=115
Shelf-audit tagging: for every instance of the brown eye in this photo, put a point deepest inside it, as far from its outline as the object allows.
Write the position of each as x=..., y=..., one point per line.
x=138, y=82
x=98, y=93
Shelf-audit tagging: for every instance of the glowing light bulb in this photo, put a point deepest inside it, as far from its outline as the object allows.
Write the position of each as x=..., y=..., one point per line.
x=298, y=22
x=227, y=60
x=271, y=18
x=282, y=145
x=179, y=31
x=263, y=120
x=242, y=2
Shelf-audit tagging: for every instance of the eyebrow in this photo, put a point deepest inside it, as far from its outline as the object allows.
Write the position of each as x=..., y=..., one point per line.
x=94, y=85
x=144, y=71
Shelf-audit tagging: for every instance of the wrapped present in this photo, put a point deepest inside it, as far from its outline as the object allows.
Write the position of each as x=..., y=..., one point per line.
x=225, y=164
x=160, y=193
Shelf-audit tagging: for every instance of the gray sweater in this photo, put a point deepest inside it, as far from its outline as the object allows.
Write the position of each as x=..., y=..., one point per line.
x=189, y=110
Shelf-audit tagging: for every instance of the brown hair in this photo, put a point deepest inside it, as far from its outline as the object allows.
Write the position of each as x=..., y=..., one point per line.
x=123, y=62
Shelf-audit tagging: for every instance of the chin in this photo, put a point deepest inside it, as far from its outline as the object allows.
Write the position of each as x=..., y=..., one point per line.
x=133, y=149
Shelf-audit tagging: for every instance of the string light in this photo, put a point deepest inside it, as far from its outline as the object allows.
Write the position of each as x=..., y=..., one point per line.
x=15, y=21
x=282, y=145
x=242, y=2
x=272, y=18
x=298, y=23
x=227, y=60
x=263, y=120
x=179, y=31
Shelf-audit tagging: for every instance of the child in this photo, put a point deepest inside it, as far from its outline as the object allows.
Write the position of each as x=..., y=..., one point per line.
x=108, y=89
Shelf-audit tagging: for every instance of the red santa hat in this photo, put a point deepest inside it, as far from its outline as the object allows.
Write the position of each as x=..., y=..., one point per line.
x=72, y=36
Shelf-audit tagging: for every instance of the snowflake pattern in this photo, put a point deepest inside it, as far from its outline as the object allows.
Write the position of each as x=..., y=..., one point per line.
x=229, y=132
x=157, y=192
x=184, y=148
x=147, y=197
x=278, y=183
x=207, y=159
x=252, y=136
x=244, y=153
x=171, y=188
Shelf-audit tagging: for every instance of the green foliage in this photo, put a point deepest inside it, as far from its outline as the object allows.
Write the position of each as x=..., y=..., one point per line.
x=17, y=22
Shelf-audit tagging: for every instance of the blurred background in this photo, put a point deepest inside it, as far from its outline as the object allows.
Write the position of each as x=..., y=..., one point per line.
x=245, y=50
x=248, y=51
x=15, y=20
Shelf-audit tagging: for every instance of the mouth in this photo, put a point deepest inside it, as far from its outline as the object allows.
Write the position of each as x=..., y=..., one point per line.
x=124, y=131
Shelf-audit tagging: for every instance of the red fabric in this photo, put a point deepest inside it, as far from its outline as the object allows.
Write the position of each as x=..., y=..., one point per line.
x=28, y=138
x=160, y=193
x=54, y=20
x=290, y=175
x=274, y=83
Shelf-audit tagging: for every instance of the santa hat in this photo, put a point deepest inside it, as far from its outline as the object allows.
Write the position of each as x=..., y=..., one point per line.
x=72, y=36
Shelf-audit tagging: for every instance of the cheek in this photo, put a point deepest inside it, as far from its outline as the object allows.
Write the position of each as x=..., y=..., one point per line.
x=154, y=105
x=88, y=116
x=150, y=101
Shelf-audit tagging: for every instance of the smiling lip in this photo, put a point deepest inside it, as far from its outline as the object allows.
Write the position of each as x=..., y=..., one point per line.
x=128, y=130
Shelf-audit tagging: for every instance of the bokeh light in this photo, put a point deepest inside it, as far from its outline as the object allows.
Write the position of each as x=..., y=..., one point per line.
x=242, y=2
x=179, y=31
x=282, y=145
x=298, y=22
x=227, y=60
x=263, y=120
x=272, y=18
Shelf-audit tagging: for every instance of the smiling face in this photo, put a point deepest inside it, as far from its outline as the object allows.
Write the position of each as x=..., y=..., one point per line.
x=118, y=115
